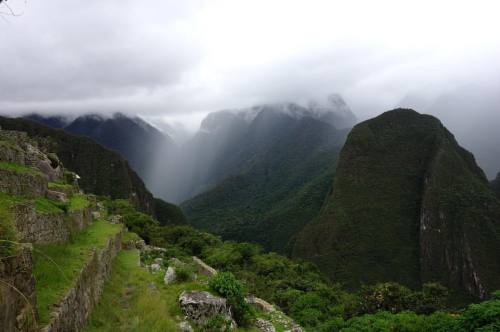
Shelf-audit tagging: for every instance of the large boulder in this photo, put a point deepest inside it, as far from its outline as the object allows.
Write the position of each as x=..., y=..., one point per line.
x=170, y=275
x=201, y=306
x=204, y=268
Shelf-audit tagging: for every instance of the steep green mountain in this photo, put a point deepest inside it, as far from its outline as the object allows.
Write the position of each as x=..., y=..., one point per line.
x=495, y=184
x=408, y=204
x=280, y=168
x=136, y=140
x=102, y=171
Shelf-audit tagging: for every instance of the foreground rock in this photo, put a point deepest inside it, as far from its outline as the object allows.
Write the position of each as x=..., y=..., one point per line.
x=264, y=325
x=170, y=276
x=201, y=306
x=204, y=268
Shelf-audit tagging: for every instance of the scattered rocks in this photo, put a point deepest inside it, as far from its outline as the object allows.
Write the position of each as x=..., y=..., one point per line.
x=204, y=268
x=264, y=325
x=155, y=267
x=96, y=215
x=185, y=327
x=170, y=275
x=201, y=306
x=158, y=260
x=115, y=219
x=57, y=196
x=260, y=303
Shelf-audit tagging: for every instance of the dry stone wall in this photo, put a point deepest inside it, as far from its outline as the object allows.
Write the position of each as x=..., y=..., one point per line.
x=37, y=227
x=17, y=292
x=74, y=309
x=22, y=184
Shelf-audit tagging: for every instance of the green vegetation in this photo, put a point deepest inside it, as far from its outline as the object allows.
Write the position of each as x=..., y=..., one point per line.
x=130, y=236
x=136, y=300
x=495, y=184
x=103, y=171
x=276, y=188
x=60, y=185
x=7, y=231
x=78, y=202
x=405, y=195
x=19, y=168
x=226, y=285
x=44, y=205
x=57, y=265
x=302, y=292
x=168, y=214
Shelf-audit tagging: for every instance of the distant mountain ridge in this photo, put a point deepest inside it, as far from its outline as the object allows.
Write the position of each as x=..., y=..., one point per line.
x=103, y=171
x=407, y=204
x=229, y=140
x=135, y=139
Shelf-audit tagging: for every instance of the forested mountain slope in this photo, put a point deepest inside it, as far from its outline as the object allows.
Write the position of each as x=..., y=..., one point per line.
x=408, y=204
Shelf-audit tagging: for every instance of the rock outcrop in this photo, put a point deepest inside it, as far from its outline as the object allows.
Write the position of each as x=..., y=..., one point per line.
x=201, y=306
x=408, y=204
x=204, y=268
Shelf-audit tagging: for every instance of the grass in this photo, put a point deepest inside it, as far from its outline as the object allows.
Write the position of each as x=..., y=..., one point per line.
x=129, y=236
x=7, y=232
x=130, y=303
x=44, y=205
x=59, y=185
x=78, y=202
x=56, y=275
x=19, y=168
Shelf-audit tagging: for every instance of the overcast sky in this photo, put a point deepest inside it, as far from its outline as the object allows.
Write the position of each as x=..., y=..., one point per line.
x=180, y=59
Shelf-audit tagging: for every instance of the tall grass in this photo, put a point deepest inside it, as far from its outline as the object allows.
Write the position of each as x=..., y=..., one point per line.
x=57, y=265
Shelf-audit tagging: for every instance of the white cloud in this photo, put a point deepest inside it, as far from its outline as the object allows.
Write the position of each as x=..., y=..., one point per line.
x=180, y=57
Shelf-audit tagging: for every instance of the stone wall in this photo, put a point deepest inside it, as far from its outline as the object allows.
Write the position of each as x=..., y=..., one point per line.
x=80, y=219
x=17, y=292
x=11, y=153
x=37, y=227
x=22, y=184
x=74, y=309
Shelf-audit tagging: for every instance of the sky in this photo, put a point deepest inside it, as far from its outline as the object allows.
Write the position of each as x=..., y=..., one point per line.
x=177, y=60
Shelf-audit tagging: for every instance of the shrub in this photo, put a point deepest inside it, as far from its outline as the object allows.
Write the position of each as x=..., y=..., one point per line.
x=184, y=273
x=389, y=296
x=217, y=323
x=484, y=316
x=226, y=285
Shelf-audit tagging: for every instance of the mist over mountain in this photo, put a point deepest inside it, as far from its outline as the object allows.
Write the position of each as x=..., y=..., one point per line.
x=230, y=142
x=472, y=113
x=135, y=139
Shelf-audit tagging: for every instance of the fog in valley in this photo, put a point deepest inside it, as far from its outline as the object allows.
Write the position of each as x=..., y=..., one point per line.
x=174, y=63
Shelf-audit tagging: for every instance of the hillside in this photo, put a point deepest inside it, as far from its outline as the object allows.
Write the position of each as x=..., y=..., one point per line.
x=495, y=184
x=136, y=140
x=229, y=142
x=102, y=171
x=71, y=261
x=408, y=204
x=279, y=173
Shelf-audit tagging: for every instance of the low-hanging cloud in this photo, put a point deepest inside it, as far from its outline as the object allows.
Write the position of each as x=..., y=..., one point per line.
x=161, y=58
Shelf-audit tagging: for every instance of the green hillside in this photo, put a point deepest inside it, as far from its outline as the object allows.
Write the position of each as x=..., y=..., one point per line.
x=102, y=171
x=407, y=205
x=278, y=190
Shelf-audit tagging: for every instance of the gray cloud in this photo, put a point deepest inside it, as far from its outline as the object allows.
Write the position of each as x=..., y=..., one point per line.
x=168, y=58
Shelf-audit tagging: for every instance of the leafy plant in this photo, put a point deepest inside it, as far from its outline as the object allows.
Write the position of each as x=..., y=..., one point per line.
x=226, y=285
